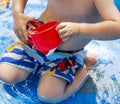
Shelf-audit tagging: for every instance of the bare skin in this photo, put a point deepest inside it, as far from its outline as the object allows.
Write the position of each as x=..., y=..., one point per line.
x=81, y=21
x=84, y=17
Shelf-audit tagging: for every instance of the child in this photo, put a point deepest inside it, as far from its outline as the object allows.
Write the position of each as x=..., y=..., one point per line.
x=81, y=21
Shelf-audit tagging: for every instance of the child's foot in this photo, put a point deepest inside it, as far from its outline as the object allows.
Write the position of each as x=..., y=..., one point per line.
x=91, y=58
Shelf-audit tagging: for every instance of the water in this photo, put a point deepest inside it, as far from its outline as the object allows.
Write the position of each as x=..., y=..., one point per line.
x=103, y=86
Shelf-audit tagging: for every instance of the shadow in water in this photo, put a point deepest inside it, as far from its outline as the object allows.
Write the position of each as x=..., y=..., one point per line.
x=89, y=86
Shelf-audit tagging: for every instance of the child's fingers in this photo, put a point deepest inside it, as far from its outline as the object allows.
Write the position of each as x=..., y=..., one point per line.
x=60, y=26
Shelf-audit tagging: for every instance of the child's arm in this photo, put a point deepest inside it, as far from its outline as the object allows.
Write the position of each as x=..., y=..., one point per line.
x=108, y=28
x=20, y=19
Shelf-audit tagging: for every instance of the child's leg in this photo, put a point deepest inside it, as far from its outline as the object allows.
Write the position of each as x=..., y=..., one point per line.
x=51, y=89
x=51, y=86
x=10, y=74
x=16, y=64
x=81, y=74
x=80, y=78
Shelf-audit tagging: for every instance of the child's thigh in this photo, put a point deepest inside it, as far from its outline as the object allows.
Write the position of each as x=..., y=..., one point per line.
x=51, y=86
x=12, y=74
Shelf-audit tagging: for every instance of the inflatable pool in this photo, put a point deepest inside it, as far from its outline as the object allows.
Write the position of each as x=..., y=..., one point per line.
x=102, y=86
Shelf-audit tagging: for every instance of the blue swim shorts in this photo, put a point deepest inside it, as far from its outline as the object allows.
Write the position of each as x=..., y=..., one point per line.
x=59, y=64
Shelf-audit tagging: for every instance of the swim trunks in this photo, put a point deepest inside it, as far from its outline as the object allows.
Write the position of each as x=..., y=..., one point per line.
x=59, y=64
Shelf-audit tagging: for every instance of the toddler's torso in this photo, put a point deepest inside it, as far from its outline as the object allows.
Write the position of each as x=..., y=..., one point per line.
x=71, y=11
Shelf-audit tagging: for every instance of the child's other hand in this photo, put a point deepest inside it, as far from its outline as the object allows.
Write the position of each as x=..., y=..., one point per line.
x=20, y=24
x=67, y=29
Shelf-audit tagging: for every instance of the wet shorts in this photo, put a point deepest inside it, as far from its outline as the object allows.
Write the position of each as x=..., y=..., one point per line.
x=59, y=64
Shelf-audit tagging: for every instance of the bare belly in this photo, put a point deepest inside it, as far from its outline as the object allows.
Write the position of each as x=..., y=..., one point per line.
x=75, y=43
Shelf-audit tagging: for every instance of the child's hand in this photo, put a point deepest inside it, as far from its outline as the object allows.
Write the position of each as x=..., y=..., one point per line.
x=67, y=29
x=20, y=24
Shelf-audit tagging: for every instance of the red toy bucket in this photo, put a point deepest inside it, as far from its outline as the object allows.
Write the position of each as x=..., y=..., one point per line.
x=44, y=37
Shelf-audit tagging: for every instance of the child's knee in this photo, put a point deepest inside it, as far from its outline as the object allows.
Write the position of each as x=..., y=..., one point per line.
x=11, y=79
x=11, y=75
x=51, y=86
x=91, y=58
x=48, y=93
x=51, y=100
x=49, y=96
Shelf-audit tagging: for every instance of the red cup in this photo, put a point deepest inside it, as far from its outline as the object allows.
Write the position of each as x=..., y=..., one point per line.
x=44, y=37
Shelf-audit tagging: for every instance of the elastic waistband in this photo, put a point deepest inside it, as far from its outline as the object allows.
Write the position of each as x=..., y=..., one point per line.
x=70, y=52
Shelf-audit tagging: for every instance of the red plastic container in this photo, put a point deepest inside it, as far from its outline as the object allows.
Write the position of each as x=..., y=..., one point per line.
x=44, y=37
